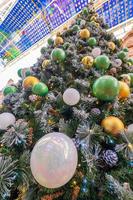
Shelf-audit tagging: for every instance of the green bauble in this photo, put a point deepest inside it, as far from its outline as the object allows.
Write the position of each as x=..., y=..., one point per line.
x=50, y=41
x=40, y=89
x=131, y=75
x=27, y=72
x=102, y=62
x=125, y=49
x=106, y=88
x=58, y=54
x=130, y=60
x=85, y=11
x=92, y=42
x=9, y=90
x=122, y=55
x=20, y=72
x=75, y=28
x=43, y=50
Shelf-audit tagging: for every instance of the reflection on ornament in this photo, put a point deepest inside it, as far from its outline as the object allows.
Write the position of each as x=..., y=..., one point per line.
x=6, y=119
x=113, y=125
x=96, y=52
x=53, y=160
x=71, y=96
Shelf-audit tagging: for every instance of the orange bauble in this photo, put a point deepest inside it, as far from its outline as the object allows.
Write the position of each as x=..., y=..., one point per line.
x=59, y=40
x=84, y=33
x=113, y=125
x=124, y=90
x=30, y=81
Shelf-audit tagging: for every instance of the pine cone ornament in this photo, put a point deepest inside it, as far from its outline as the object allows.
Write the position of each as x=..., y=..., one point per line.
x=110, y=157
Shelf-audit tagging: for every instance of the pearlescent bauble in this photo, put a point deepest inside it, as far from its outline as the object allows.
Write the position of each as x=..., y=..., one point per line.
x=106, y=88
x=96, y=52
x=54, y=160
x=117, y=63
x=40, y=89
x=102, y=62
x=9, y=90
x=130, y=129
x=6, y=119
x=71, y=96
x=58, y=54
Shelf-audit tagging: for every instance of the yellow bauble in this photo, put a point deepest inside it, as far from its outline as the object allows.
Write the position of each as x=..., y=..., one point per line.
x=58, y=40
x=30, y=81
x=45, y=63
x=111, y=45
x=84, y=33
x=124, y=90
x=113, y=125
x=87, y=61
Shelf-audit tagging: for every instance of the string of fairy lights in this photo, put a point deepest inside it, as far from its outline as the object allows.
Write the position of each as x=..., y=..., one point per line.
x=31, y=20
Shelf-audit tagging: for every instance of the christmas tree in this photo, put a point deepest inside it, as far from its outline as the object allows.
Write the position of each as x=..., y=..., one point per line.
x=66, y=128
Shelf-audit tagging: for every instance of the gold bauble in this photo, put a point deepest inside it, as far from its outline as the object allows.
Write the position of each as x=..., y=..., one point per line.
x=84, y=33
x=30, y=81
x=87, y=61
x=124, y=91
x=59, y=40
x=45, y=63
x=111, y=45
x=113, y=125
x=93, y=18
